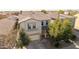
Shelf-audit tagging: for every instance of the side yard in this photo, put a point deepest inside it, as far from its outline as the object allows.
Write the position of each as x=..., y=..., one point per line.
x=8, y=41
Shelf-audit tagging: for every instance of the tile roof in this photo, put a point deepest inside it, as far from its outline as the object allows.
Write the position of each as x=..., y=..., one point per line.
x=38, y=15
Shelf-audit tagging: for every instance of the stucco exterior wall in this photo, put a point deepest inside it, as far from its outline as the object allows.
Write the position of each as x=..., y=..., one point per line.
x=76, y=22
x=34, y=34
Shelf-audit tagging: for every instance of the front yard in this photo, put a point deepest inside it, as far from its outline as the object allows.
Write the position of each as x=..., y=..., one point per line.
x=45, y=44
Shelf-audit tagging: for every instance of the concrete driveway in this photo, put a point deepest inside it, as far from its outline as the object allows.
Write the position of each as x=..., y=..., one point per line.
x=75, y=44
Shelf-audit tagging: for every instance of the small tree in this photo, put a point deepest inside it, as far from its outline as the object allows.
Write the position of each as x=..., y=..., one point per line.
x=23, y=40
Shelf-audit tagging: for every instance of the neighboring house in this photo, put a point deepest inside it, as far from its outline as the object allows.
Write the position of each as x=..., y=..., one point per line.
x=64, y=17
x=77, y=22
x=71, y=18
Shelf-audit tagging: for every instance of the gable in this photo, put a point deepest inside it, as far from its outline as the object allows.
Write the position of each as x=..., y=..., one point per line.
x=29, y=20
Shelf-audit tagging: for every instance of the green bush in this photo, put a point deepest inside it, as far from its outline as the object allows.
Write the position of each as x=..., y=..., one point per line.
x=61, y=30
x=23, y=40
x=61, y=11
x=44, y=11
x=73, y=37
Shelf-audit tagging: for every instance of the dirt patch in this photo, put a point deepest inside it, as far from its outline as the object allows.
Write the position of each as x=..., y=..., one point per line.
x=8, y=41
x=3, y=16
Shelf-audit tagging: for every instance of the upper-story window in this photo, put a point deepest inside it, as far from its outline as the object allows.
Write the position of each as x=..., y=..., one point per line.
x=42, y=23
x=34, y=26
x=46, y=22
x=29, y=26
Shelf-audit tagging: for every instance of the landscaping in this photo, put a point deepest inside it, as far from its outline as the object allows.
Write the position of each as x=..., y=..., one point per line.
x=61, y=31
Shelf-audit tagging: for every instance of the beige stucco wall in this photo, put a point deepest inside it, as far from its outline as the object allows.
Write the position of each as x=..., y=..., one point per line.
x=77, y=22
x=33, y=34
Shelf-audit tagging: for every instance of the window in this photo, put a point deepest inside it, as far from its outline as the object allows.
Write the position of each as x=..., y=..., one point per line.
x=34, y=26
x=29, y=27
x=46, y=22
x=42, y=23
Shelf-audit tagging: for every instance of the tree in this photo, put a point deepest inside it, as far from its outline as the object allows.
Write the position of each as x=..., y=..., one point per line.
x=61, y=11
x=44, y=11
x=55, y=28
x=61, y=30
x=23, y=39
x=55, y=31
x=72, y=12
x=66, y=29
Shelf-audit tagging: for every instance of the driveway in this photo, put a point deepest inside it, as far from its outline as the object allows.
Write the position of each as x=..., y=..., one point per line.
x=39, y=44
x=75, y=44
x=76, y=32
